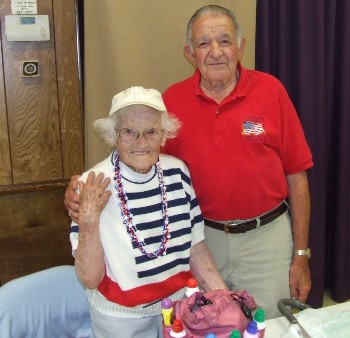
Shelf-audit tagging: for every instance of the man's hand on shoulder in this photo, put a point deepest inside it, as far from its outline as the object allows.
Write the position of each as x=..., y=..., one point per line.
x=71, y=198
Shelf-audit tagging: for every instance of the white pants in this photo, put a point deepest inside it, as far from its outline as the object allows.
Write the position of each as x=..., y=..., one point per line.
x=104, y=326
x=257, y=261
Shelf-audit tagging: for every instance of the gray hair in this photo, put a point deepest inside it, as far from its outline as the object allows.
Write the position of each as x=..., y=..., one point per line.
x=215, y=10
x=106, y=127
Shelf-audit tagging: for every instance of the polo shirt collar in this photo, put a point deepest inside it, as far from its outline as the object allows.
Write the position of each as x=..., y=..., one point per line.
x=240, y=89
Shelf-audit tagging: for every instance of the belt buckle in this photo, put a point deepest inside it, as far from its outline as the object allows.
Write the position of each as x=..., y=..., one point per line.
x=226, y=226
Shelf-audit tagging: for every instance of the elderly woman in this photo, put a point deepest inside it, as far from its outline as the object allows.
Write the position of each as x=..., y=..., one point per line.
x=140, y=234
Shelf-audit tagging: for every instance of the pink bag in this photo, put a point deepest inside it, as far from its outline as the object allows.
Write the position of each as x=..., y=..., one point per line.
x=218, y=312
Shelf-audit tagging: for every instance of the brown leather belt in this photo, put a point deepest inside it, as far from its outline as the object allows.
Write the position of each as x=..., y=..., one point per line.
x=239, y=228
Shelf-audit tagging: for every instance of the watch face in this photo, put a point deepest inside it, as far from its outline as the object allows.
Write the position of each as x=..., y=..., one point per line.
x=308, y=253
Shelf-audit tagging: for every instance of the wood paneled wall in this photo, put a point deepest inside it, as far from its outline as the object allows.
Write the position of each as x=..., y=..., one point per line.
x=34, y=233
x=41, y=142
x=41, y=129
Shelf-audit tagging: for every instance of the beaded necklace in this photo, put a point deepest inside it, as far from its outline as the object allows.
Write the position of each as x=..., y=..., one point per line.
x=131, y=227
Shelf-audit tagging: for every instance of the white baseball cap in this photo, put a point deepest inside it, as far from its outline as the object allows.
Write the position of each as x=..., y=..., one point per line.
x=138, y=95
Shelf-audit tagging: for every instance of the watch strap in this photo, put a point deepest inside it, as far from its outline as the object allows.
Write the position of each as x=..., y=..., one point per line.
x=305, y=252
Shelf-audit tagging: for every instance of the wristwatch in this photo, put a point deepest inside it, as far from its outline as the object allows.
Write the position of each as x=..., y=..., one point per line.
x=306, y=252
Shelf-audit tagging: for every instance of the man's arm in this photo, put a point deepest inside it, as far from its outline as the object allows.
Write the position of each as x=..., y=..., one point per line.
x=299, y=201
x=204, y=269
x=71, y=198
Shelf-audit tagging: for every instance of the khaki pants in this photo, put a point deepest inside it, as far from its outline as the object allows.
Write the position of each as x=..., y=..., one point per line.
x=257, y=261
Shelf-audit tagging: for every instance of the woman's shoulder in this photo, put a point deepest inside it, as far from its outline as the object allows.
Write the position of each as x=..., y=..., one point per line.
x=104, y=166
x=172, y=162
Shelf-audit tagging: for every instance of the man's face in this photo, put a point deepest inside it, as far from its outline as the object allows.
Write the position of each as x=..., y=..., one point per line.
x=215, y=48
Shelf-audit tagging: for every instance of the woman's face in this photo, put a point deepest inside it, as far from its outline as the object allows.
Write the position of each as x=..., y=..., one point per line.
x=142, y=153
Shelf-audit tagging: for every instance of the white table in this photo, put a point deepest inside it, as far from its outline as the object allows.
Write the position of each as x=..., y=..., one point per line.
x=276, y=326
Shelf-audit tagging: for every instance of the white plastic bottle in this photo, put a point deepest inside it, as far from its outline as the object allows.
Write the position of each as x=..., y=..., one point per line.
x=192, y=287
x=259, y=318
x=251, y=331
x=177, y=330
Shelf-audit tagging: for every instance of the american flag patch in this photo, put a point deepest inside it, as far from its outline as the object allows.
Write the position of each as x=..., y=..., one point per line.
x=252, y=128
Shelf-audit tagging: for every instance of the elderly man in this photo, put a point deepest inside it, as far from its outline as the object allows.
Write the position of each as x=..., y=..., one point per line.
x=248, y=157
x=247, y=154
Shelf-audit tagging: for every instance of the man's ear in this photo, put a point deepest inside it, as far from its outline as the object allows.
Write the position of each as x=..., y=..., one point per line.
x=189, y=55
x=241, y=48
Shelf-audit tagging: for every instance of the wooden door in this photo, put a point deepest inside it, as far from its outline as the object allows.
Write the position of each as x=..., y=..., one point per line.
x=41, y=141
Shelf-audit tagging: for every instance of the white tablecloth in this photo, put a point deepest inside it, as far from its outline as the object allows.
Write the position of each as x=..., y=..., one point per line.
x=275, y=327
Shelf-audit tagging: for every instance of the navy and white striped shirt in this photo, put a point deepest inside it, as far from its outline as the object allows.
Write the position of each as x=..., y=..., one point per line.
x=133, y=278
